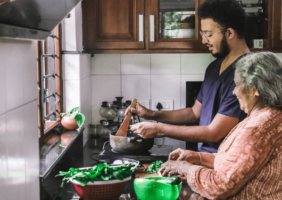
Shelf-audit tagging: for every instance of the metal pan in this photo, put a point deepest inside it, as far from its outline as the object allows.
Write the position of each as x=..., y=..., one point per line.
x=130, y=144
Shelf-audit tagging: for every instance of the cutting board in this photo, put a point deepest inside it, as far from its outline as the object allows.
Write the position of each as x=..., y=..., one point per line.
x=141, y=173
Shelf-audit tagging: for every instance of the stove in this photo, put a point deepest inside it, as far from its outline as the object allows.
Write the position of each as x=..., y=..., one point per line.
x=109, y=156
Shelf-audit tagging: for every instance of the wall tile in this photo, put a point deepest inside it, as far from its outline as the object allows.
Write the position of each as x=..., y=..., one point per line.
x=85, y=105
x=279, y=55
x=184, y=79
x=71, y=66
x=16, y=159
x=194, y=63
x=85, y=65
x=166, y=87
x=30, y=72
x=135, y=86
x=170, y=141
x=3, y=159
x=135, y=63
x=104, y=88
x=212, y=58
x=71, y=94
x=106, y=64
x=2, y=77
x=14, y=70
x=165, y=64
x=31, y=150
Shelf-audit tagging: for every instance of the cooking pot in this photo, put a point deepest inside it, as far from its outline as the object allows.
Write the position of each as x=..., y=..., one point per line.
x=130, y=144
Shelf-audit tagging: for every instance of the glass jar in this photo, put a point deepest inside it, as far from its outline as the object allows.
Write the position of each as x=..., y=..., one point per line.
x=103, y=109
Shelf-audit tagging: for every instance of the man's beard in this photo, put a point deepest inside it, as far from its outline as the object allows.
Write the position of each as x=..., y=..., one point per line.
x=223, y=49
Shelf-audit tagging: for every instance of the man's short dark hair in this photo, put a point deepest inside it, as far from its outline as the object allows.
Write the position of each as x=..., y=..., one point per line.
x=227, y=13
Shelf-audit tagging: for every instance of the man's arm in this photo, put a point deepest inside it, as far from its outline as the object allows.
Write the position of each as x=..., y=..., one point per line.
x=184, y=116
x=178, y=117
x=218, y=128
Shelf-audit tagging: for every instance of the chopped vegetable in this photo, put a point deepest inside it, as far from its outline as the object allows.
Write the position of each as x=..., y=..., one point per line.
x=100, y=172
x=154, y=167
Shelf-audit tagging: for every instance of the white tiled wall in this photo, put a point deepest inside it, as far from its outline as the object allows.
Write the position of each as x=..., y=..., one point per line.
x=145, y=76
x=77, y=83
x=19, y=148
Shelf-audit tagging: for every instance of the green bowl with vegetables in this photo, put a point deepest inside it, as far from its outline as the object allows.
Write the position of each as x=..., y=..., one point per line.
x=157, y=188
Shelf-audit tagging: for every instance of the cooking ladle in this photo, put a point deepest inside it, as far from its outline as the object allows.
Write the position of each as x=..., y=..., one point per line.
x=122, y=131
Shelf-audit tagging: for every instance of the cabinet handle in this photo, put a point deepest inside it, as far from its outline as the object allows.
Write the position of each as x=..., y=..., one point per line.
x=152, y=28
x=141, y=28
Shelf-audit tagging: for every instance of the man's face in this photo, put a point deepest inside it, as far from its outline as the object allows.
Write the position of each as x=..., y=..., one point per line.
x=215, y=38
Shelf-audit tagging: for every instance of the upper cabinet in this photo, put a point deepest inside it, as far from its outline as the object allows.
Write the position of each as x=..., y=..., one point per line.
x=113, y=24
x=169, y=26
x=174, y=25
x=276, y=25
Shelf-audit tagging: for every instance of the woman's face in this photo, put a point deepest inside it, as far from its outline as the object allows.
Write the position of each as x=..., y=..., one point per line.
x=246, y=95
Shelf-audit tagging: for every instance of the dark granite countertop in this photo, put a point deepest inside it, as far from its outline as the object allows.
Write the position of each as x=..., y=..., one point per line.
x=50, y=155
x=90, y=154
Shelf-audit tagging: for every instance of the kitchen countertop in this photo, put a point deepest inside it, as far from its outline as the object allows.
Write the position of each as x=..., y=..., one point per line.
x=51, y=154
x=91, y=151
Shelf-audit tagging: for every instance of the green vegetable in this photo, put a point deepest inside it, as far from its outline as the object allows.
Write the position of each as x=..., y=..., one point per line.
x=154, y=167
x=100, y=172
x=75, y=113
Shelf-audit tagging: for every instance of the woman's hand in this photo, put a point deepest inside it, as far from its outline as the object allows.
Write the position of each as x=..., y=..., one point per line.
x=185, y=155
x=172, y=168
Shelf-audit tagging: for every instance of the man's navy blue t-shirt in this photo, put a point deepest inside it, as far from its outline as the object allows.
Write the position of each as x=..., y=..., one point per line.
x=216, y=97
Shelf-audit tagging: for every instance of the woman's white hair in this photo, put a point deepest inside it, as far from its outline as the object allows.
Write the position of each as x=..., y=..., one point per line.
x=264, y=71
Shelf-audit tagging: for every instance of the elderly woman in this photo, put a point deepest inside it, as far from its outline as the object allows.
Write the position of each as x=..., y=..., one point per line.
x=248, y=164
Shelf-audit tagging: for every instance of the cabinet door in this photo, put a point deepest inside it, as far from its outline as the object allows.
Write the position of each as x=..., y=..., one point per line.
x=113, y=24
x=277, y=25
x=174, y=25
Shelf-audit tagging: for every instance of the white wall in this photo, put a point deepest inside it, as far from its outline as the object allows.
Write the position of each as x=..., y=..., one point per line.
x=19, y=147
x=76, y=69
x=77, y=86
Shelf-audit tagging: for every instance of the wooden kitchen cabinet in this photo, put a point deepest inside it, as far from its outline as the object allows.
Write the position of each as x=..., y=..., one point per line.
x=113, y=24
x=276, y=25
x=164, y=26
x=124, y=26
x=174, y=25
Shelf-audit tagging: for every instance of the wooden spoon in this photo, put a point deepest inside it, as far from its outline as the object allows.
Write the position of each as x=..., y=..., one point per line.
x=122, y=131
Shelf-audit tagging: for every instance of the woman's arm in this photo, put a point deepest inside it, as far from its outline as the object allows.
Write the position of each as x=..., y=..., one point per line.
x=242, y=160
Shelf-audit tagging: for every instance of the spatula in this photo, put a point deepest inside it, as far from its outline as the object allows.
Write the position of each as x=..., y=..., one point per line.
x=122, y=131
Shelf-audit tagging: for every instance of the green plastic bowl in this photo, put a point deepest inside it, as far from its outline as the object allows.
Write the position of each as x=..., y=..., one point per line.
x=147, y=189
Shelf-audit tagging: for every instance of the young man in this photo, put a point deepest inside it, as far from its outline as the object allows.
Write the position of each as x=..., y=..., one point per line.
x=216, y=110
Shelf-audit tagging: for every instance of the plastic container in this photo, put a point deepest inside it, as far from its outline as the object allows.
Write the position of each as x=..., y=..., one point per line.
x=100, y=190
x=147, y=189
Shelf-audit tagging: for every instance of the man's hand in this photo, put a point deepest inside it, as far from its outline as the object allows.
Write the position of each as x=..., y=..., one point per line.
x=145, y=129
x=185, y=155
x=141, y=111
